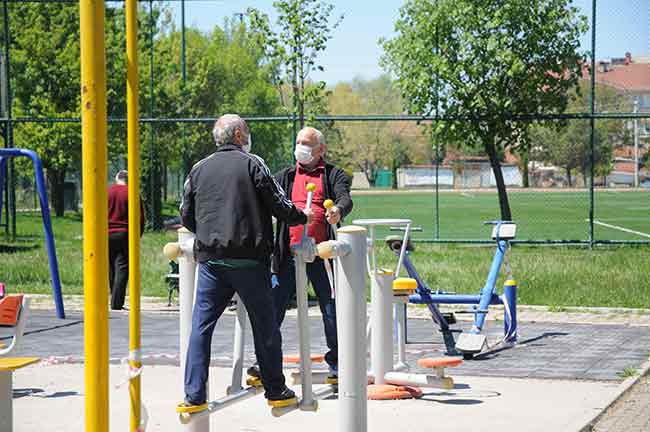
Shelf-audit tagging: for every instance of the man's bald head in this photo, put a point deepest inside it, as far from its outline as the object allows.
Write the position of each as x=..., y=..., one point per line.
x=230, y=129
x=311, y=134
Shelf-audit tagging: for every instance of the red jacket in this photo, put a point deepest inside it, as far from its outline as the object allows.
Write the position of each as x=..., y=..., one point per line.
x=118, y=209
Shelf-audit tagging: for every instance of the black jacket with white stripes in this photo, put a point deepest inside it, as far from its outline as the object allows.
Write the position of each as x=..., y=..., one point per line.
x=228, y=200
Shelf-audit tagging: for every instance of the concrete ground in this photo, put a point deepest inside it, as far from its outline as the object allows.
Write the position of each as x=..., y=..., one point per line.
x=559, y=376
x=50, y=398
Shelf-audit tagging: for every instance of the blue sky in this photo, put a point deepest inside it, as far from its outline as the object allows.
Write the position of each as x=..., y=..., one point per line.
x=622, y=25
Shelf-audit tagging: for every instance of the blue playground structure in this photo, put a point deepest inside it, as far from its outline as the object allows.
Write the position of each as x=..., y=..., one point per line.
x=474, y=341
x=5, y=155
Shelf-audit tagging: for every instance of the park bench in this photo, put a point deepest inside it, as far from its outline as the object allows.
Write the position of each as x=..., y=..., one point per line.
x=172, y=281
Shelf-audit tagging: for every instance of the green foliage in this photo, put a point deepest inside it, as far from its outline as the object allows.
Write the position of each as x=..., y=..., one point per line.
x=370, y=146
x=480, y=62
x=226, y=72
x=45, y=76
x=303, y=28
x=567, y=144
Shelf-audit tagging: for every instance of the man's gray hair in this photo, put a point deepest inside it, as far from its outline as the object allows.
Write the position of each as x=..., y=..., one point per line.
x=320, y=138
x=225, y=127
x=122, y=176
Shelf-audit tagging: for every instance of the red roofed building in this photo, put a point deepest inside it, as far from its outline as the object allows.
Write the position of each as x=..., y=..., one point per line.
x=630, y=76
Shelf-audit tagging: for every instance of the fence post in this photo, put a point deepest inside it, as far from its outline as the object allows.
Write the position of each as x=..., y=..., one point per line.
x=592, y=123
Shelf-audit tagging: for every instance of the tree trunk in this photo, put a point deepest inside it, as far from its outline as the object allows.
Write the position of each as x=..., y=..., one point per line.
x=490, y=147
x=568, y=177
x=369, y=170
x=164, y=185
x=157, y=222
x=301, y=98
x=301, y=112
x=524, y=161
x=152, y=183
x=187, y=167
x=56, y=181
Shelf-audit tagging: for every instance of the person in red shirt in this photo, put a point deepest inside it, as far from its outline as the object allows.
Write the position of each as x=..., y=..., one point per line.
x=118, y=238
x=331, y=183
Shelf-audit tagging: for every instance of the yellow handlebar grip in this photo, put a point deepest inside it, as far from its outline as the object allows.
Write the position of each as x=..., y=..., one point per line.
x=171, y=251
x=328, y=204
x=310, y=187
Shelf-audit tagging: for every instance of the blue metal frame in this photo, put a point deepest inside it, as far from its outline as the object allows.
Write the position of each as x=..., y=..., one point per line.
x=5, y=154
x=487, y=296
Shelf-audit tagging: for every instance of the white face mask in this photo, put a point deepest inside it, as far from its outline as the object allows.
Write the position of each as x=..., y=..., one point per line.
x=303, y=154
x=247, y=147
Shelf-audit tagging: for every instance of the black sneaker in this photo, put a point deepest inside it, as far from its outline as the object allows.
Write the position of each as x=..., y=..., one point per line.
x=285, y=395
x=254, y=371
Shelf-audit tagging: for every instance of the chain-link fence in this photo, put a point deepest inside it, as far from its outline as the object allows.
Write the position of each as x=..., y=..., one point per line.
x=583, y=177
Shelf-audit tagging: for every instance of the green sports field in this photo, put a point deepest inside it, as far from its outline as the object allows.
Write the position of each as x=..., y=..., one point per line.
x=619, y=215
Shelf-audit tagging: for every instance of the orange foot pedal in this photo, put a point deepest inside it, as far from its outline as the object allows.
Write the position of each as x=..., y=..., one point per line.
x=393, y=392
x=295, y=358
x=439, y=364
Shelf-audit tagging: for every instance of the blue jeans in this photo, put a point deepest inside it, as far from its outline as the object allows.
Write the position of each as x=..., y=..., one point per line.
x=284, y=288
x=216, y=286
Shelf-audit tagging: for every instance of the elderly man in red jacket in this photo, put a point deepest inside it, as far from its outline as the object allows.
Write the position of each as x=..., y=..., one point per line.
x=118, y=238
x=331, y=183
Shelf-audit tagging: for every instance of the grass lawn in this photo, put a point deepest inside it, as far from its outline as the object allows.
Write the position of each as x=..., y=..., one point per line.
x=555, y=276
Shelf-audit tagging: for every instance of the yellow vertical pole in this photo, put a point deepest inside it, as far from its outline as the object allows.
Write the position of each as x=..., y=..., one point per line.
x=95, y=213
x=131, y=10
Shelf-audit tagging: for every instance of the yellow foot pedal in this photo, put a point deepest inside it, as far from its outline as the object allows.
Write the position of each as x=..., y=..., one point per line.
x=184, y=408
x=254, y=381
x=282, y=403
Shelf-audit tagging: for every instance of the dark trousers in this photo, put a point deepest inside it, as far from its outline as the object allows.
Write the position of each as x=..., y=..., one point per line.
x=216, y=286
x=285, y=289
x=118, y=267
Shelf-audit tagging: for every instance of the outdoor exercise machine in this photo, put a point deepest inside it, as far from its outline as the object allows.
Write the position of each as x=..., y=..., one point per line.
x=5, y=155
x=305, y=252
x=389, y=294
x=350, y=251
x=316, y=377
x=475, y=341
x=13, y=314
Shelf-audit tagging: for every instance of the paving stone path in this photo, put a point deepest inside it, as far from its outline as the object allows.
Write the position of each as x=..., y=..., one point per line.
x=545, y=350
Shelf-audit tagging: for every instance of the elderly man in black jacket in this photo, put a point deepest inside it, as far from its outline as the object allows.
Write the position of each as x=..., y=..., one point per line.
x=331, y=183
x=228, y=201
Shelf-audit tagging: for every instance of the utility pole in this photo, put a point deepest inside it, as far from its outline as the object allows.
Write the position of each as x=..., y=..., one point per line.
x=636, y=144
